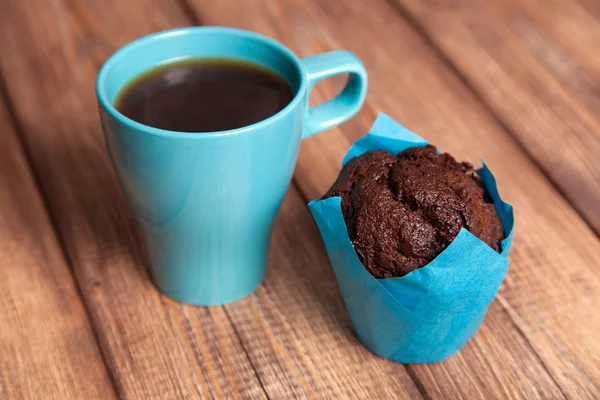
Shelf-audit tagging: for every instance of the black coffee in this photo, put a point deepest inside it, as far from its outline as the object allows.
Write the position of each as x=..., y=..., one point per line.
x=204, y=95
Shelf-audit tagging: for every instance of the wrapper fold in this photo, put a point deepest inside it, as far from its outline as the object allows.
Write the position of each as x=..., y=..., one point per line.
x=430, y=313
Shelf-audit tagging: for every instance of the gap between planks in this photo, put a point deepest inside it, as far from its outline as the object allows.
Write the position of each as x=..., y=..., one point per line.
x=217, y=17
x=239, y=338
x=300, y=192
x=445, y=59
x=117, y=388
x=194, y=15
x=463, y=79
x=503, y=305
x=129, y=359
x=18, y=129
x=196, y=20
x=111, y=369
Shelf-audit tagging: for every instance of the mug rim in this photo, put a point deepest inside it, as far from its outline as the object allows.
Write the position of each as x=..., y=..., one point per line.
x=145, y=40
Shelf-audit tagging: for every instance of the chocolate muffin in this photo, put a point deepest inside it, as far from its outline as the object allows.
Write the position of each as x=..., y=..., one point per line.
x=402, y=211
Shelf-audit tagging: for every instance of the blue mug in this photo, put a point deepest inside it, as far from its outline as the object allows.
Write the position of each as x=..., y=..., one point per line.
x=206, y=202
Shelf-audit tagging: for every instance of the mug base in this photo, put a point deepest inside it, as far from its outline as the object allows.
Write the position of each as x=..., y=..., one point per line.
x=208, y=301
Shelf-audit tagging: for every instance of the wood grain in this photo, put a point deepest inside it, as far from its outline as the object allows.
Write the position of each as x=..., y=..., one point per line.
x=300, y=303
x=537, y=86
x=154, y=347
x=285, y=365
x=47, y=347
x=296, y=329
x=283, y=373
x=564, y=37
x=292, y=337
x=306, y=32
x=549, y=288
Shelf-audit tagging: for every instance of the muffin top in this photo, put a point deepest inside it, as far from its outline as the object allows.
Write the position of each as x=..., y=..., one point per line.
x=402, y=211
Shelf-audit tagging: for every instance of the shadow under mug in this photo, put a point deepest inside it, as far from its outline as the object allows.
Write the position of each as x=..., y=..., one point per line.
x=206, y=202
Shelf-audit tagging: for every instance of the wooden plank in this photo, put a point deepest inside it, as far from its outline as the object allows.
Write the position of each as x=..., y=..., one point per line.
x=592, y=7
x=300, y=27
x=287, y=367
x=155, y=347
x=299, y=309
x=183, y=315
x=537, y=86
x=47, y=347
x=295, y=327
x=552, y=282
x=283, y=373
x=563, y=37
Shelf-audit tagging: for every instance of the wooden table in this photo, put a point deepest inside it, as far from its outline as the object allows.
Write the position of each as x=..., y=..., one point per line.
x=513, y=81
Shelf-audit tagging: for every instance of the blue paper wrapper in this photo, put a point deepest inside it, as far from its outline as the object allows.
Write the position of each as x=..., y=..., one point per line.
x=430, y=313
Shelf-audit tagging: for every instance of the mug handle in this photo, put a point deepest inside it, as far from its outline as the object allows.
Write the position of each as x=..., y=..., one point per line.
x=347, y=103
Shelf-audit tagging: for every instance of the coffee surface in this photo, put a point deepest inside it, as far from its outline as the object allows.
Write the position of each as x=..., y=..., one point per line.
x=204, y=95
